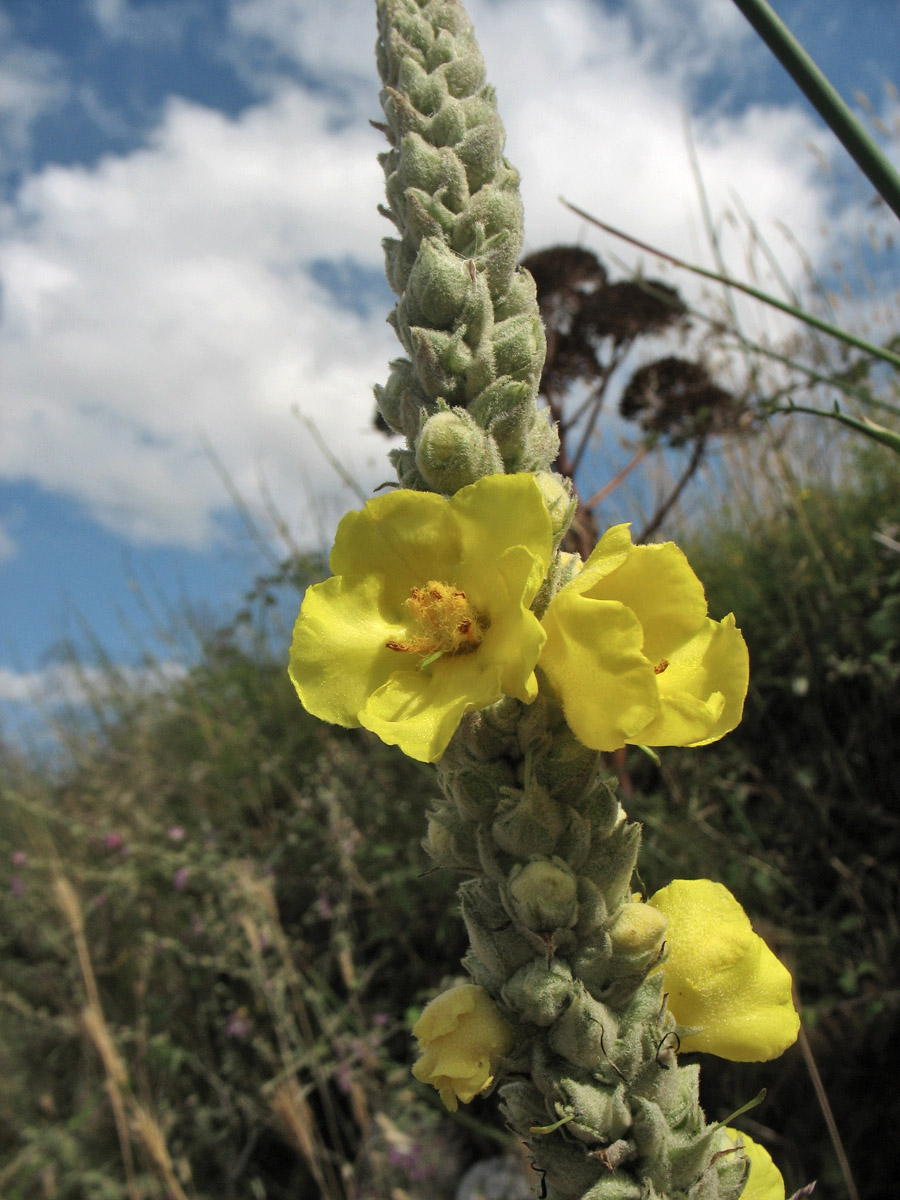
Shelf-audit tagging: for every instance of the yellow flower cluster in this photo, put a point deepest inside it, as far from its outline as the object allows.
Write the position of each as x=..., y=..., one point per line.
x=427, y=617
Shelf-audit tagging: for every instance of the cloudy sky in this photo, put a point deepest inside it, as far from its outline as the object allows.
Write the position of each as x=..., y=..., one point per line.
x=190, y=255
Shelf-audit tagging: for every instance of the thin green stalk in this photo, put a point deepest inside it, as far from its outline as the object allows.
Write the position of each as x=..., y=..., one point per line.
x=825, y=99
x=834, y=331
x=878, y=433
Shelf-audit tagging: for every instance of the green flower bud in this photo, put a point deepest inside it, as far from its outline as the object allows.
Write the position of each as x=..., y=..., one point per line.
x=600, y=1112
x=637, y=933
x=559, y=501
x=481, y=150
x=541, y=445
x=492, y=936
x=612, y=861
x=475, y=786
x=543, y=894
x=426, y=215
x=452, y=452
x=519, y=346
x=394, y=401
x=438, y=284
x=451, y=840
x=585, y=1034
x=614, y=1187
x=527, y=822
x=434, y=169
x=448, y=126
x=520, y=298
x=426, y=92
x=440, y=360
x=462, y=75
x=523, y=1105
x=399, y=257
x=538, y=992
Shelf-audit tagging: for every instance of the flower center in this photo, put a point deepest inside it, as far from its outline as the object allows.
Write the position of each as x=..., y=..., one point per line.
x=448, y=622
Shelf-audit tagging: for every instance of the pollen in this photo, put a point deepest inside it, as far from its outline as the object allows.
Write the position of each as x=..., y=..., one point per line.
x=446, y=620
x=661, y=666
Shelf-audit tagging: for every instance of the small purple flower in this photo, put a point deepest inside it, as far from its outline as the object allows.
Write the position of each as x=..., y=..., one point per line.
x=181, y=878
x=175, y=833
x=114, y=841
x=19, y=858
x=238, y=1024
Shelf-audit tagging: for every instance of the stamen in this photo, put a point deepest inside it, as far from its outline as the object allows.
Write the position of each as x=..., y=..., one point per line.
x=661, y=666
x=448, y=623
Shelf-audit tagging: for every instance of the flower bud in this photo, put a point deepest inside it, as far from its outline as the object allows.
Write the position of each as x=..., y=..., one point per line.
x=519, y=346
x=637, y=932
x=453, y=452
x=585, y=1035
x=438, y=284
x=462, y=1037
x=527, y=822
x=544, y=895
x=538, y=992
x=558, y=500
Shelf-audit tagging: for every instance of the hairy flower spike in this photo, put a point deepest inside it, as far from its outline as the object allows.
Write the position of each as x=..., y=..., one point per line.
x=466, y=314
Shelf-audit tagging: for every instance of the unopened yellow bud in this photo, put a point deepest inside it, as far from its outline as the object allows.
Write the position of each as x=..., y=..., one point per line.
x=638, y=929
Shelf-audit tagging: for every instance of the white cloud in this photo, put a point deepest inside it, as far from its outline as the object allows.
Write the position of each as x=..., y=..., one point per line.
x=31, y=84
x=64, y=684
x=163, y=297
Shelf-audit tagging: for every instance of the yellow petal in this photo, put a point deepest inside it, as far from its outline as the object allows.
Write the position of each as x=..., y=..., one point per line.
x=594, y=661
x=658, y=585
x=659, y=672
x=764, y=1181
x=726, y=988
x=338, y=652
x=703, y=687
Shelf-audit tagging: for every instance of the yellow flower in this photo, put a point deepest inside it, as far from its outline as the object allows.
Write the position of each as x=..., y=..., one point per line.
x=764, y=1181
x=461, y=1038
x=633, y=655
x=426, y=616
x=725, y=986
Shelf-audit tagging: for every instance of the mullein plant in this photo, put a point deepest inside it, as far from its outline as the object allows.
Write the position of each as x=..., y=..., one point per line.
x=453, y=627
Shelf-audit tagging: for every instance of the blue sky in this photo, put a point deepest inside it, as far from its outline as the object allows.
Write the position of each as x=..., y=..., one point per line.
x=190, y=257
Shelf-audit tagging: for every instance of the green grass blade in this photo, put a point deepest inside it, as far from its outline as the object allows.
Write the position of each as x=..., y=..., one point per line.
x=825, y=99
x=834, y=331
